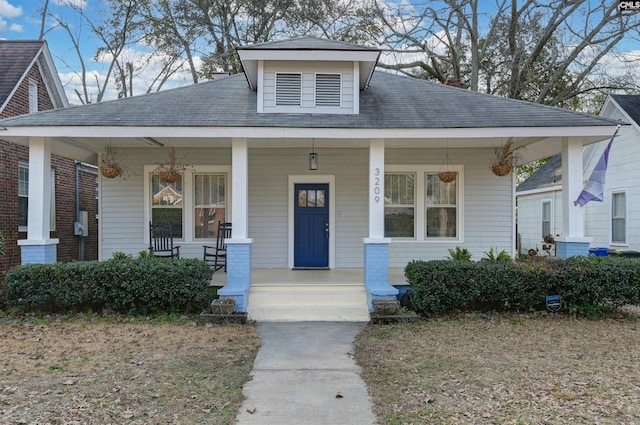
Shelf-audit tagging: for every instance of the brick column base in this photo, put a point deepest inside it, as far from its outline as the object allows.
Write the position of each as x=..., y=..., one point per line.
x=376, y=271
x=44, y=253
x=566, y=249
x=238, y=274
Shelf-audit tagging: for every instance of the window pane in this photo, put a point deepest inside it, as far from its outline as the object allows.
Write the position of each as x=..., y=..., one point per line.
x=167, y=194
x=168, y=215
x=23, y=209
x=618, y=220
x=619, y=205
x=302, y=198
x=399, y=222
x=440, y=193
x=546, y=219
x=618, y=233
x=320, y=199
x=441, y=222
x=167, y=204
x=311, y=198
x=210, y=205
x=399, y=211
x=23, y=181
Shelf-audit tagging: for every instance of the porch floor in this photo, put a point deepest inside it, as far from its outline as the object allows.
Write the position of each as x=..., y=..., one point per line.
x=338, y=276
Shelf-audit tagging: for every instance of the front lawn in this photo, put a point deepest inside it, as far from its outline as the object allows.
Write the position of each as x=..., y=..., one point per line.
x=504, y=369
x=123, y=371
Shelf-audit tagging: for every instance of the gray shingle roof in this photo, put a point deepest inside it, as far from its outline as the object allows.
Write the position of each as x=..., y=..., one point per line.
x=15, y=58
x=630, y=104
x=391, y=101
x=306, y=43
x=550, y=174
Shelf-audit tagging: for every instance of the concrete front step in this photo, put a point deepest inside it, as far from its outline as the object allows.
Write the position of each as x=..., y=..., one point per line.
x=308, y=302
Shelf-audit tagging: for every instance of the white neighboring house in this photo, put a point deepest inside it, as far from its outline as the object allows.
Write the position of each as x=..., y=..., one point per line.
x=351, y=215
x=613, y=223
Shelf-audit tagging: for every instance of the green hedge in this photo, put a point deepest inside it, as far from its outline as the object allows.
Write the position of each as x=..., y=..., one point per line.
x=585, y=284
x=125, y=285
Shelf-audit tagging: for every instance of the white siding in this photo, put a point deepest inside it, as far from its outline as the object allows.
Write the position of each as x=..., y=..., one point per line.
x=122, y=221
x=488, y=206
x=487, y=202
x=530, y=219
x=622, y=174
x=308, y=71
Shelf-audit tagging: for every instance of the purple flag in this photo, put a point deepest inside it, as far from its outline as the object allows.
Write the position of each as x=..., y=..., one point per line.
x=594, y=188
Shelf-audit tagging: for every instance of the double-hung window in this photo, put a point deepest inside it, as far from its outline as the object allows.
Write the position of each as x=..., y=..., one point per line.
x=209, y=204
x=619, y=217
x=399, y=205
x=419, y=206
x=546, y=218
x=195, y=203
x=23, y=198
x=442, y=208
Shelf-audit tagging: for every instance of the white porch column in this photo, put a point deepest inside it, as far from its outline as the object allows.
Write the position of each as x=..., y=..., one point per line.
x=39, y=247
x=573, y=241
x=376, y=189
x=239, y=246
x=376, y=246
x=240, y=188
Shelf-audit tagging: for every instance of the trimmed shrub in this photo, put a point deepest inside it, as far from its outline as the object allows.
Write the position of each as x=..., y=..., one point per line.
x=585, y=284
x=125, y=285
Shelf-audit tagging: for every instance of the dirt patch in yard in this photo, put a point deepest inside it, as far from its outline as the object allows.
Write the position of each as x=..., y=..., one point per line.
x=504, y=370
x=123, y=371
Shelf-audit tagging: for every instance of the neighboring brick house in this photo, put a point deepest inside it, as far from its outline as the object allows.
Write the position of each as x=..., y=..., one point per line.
x=29, y=83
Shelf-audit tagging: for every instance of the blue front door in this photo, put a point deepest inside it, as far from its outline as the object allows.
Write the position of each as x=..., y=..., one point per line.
x=311, y=225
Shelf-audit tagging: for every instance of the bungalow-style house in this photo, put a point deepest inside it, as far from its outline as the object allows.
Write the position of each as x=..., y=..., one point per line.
x=29, y=84
x=326, y=168
x=613, y=223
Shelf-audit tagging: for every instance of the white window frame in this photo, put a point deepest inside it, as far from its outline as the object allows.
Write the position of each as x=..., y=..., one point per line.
x=415, y=186
x=188, y=200
x=542, y=220
x=421, y=171
x=52, y=212
x=626, y=218
x=275, y=93
x=33, y=96
x=315, y=90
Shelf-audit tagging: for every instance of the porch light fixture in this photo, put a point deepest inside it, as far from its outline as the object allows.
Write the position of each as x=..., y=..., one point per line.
x=313, y=156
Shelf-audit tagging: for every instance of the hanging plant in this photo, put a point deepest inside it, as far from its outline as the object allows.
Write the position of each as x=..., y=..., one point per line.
x=506, y=159
x=111, y=165
x=170, y=170
x=446, y=173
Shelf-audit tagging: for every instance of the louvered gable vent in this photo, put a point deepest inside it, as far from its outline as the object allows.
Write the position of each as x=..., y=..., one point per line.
x=288, y=89
x=328, y=90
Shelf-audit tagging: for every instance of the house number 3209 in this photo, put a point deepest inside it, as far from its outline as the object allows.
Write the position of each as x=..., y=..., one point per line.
x=376, y=185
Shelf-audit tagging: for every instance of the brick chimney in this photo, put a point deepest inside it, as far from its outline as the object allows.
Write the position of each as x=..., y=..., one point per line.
x=453, y=82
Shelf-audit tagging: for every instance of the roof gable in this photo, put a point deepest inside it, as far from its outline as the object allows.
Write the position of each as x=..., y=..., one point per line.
x=550, y=174
x=17, y=57
x=307, y=43
x=630, y=104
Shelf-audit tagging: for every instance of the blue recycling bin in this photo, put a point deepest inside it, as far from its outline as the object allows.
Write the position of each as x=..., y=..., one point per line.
x=599, y=252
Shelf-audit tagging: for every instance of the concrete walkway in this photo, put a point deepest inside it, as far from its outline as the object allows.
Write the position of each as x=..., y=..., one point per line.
x=304, y=373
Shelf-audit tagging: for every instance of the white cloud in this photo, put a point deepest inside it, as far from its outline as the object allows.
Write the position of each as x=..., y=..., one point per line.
x=79, y=4
x=16, y=28
x=7, y=10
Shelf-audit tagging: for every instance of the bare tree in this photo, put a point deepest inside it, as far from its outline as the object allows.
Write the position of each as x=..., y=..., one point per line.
x=543, y=51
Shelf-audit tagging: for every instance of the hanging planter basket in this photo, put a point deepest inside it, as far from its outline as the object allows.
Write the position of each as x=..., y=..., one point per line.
x=169, y=176
x=111, y=171
x=501, y=169
x=169, y=171
x=447, y=176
